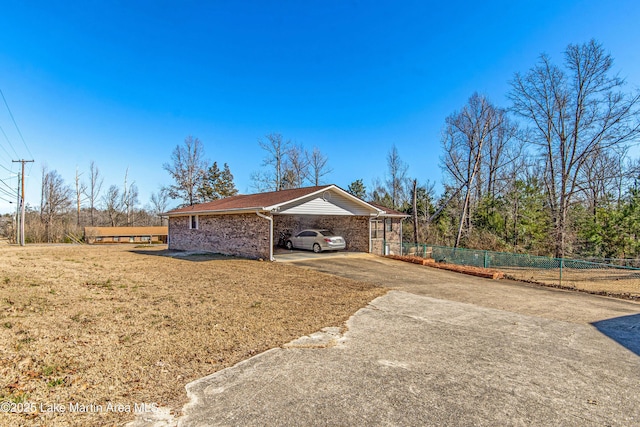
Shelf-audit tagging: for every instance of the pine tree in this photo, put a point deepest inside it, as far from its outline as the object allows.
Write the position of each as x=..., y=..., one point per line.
x=226, y=186
x=217, y=184
x=358, y=189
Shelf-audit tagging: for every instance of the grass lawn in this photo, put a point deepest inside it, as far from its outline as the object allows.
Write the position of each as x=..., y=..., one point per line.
x=93, y=325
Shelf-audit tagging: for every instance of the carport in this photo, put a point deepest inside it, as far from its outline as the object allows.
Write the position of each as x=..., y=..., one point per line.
x=250, y=225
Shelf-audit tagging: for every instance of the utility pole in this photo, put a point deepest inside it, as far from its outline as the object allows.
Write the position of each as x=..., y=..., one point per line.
x=17, y=218
x=22, y=206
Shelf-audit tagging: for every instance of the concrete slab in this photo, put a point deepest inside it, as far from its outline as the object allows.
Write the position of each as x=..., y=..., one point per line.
x=408, y=359
x=517, y=297
x=285, y=255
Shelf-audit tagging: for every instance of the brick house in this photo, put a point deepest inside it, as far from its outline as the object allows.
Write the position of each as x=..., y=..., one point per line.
x=249, y=225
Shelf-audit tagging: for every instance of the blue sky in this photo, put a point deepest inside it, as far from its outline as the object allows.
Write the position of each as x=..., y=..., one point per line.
x=122, y=83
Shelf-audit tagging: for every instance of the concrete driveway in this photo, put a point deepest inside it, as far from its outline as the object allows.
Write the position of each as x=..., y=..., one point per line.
x=441, y=349
x=297, y=255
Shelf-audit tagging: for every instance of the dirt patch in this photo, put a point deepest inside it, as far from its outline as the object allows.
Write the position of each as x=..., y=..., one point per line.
x=465, y=269
x=114, y=325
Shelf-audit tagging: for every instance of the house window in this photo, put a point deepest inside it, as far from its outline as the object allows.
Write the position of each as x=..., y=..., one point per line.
x=388, y=222
x=145, y=238
x=193, y=222
x=98, y=239
x=132, y=239
x=376, y=229
x=116, y=239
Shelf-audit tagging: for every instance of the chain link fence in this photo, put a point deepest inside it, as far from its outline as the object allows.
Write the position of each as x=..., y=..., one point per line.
x=590, y=276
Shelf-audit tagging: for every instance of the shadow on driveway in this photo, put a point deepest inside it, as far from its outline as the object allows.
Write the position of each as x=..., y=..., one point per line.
x=185, y=255
x=624, y=330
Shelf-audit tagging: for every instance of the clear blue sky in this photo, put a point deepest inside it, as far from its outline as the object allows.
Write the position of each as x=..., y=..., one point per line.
x=124, y=82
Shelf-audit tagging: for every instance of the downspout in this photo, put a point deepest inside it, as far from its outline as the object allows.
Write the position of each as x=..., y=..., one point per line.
x=270, y=219
x=401, y=219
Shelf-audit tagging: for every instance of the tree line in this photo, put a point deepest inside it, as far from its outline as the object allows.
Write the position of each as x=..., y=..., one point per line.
x=550, y=174
x=65, y=209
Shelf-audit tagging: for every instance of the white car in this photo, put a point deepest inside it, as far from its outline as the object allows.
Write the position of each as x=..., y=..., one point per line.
x=316, y=241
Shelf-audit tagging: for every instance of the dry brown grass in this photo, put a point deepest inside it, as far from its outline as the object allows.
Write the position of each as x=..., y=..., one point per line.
x=99, y=324
x=615, y=282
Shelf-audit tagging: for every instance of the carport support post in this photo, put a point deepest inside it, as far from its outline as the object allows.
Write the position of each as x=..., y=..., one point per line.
x=270, y=219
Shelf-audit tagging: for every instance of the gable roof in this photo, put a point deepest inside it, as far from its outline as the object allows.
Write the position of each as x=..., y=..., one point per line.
x=270, y=201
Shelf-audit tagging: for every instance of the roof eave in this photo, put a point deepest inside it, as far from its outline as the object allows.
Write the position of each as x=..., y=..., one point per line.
x=216, y=211
x=389, y=215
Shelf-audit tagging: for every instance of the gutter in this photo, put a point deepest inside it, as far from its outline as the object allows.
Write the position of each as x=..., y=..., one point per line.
x=213, y=212
x=270, y=219
x=401, y=219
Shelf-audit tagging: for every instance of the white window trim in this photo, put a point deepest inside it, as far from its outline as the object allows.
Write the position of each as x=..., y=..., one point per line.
x=378, y=233
x=191, y=222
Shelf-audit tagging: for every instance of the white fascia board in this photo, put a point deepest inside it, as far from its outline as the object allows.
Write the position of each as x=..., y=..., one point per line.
x=386, y=215
x=220, y=212
x=339, y=190
x=278, y=205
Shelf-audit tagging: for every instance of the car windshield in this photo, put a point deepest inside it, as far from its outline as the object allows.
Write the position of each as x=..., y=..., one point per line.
x=326, y=232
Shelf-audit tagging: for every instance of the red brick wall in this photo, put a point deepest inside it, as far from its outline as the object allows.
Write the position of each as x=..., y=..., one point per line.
x=245, y=235
x=392, y=237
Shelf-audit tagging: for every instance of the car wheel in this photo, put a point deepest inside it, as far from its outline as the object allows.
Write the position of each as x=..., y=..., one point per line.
x=316, y=248
x=289, y=245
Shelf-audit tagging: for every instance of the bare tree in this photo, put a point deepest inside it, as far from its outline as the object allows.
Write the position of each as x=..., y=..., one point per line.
x=81, y=188
x=56, y=200
x=129, y=199
x=602, y=177
x=464, y=140
x=92, y=191
x=159, y=203
x=396, y=178
x=318, y=166
x=187, y=170
x=297, y=166
x=573, y=114
x=500, y=150
x=277, y=150
x=113, y=205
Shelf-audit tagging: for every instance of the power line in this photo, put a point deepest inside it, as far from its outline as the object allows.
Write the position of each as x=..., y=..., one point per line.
x=10, y=145
x=6, y=193
x=8, y=170
x=15, y=124
x=11, y=191
x=8, y=186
